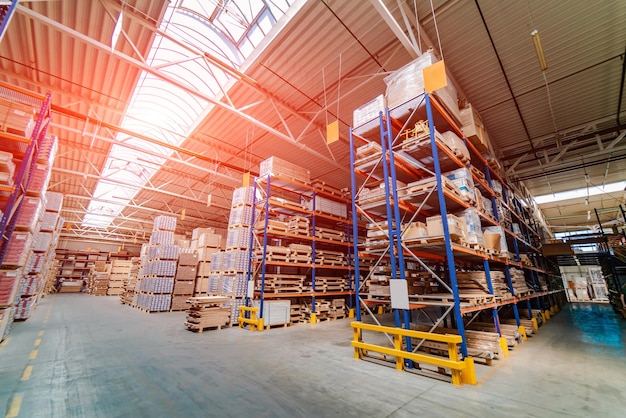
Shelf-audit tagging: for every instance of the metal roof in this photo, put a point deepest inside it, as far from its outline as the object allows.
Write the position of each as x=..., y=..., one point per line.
x=318, y=63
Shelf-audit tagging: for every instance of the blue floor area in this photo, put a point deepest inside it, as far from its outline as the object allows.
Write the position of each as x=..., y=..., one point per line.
x=598, y=327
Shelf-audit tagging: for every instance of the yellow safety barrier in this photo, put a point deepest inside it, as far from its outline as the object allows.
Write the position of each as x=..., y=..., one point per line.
x=252, y=321
x=463, y=371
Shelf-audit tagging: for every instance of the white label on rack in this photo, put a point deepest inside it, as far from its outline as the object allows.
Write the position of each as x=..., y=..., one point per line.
x=399, y=294
x=250, y=289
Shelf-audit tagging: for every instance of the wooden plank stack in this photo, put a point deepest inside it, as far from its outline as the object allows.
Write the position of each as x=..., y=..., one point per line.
x=207, y=312
x=120, y=272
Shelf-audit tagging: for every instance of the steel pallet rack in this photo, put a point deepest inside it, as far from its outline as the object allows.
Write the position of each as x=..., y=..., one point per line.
x=402, y=204
x=285, y=198
x=26, y=149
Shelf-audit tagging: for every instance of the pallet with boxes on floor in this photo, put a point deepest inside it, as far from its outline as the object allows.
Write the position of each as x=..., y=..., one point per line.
x=185, y=279
x=120, y=272
x=207, y=313
x=158, y=267
x=207, y=244
x=128, y=289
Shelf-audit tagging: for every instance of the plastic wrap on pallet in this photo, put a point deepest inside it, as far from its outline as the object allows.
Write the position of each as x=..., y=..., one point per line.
x=48, y=221
x=160, y=268
x=9, y=286
x=17, y=249
x=243, y=195
x=157, y=284
x=234, y=285
x=240, y=215
x=39, y=179
x=238, y=237
x=497, y=187
x=217, y=261
x=162, y=237
x=30, y=213
x=54, y=201
x=154, y=303
x=454, y=142
x=164, y=223
x=274, y=166
x=328, y=206
x=168, y=252
x=462, y=178
x=41, y=241
x=236, y=260
x=215, y=283
x=365, y=117
x=24, y=307
x=234, y=305
x=29, y=285
x=35, y=262
x=407, y=83
x=474, y=230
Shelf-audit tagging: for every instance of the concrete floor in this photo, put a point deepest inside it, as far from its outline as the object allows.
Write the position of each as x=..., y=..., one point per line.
x=85, y=356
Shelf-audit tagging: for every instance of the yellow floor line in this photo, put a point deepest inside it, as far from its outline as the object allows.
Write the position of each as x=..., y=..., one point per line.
x=4, y=343
x=37, y=342
x=40, y=333
x=26, y=374
x=33, y=355
x=14, y=409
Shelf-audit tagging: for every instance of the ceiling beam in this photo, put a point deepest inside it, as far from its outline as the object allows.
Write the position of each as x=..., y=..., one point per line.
x=174, y=82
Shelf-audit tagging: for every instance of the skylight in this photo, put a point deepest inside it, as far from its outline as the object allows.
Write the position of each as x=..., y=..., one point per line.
x=227, y=29
x=581, y=193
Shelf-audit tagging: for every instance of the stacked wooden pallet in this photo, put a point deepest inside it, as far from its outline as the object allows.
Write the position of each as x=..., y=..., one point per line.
x=476, y=282
x=519, y=282
x=298, y=225
x=330, y=258
x=283, y=283
x=330, y=234
x=300, y=253
x=206, y=312
x=297, y=313
x=480, y=344
x=330, y=284
x=526, y=323
x=98, y=283
x=510, y=332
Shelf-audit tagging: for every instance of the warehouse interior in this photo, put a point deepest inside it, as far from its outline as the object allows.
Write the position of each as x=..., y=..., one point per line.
x=275, y=166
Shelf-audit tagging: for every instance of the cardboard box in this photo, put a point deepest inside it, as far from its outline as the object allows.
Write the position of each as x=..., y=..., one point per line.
x=456, y=226
x=186, y=273
x=188, y=259
x=204, y=269
x=415, y=230
x=184, y=287
x=473, y=128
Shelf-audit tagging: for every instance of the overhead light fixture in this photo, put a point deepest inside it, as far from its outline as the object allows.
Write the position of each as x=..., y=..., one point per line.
x=539, y=50
x=588, y=215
